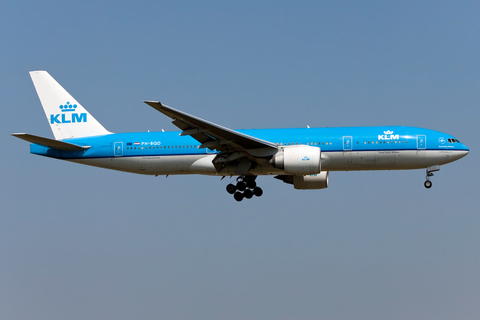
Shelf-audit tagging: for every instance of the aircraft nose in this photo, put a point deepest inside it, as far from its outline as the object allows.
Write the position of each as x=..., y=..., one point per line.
x=455, y=155
x=462, y=153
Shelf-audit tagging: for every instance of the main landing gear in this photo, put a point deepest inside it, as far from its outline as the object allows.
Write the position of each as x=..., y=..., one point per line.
x=246, y=187
x=430, y=171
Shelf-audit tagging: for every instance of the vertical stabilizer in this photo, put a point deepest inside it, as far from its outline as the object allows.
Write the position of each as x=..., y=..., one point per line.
x=67, y=118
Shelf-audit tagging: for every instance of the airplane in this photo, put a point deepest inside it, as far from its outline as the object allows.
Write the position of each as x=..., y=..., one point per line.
x=302, y=157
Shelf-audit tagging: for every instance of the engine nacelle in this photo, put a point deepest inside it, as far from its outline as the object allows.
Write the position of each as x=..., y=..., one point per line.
x=298, y=160
x=314, y=181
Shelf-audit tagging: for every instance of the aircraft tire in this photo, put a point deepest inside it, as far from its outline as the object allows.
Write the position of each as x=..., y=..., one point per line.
x=258, y=191
x=241, y=186
x=238, y=196
x=248, y=194
x=428, y=184
x=251, y=184
x=231, y=188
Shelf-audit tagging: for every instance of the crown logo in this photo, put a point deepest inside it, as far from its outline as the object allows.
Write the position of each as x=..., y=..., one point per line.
x=68, y=107
x=388, y=132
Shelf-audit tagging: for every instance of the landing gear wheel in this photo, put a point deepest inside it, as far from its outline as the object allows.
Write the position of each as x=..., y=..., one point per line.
x=241, y=186
x=238, y=196
x=248, y=194
x=430, y=171
x=244, y=188
x=251, y=184
x=257, y=191
x=231, y=188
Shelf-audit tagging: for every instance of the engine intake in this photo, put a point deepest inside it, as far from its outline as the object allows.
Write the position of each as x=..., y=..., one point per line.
x=298, y=160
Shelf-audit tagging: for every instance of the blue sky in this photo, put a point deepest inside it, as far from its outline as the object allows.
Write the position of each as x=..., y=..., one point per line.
x=80, y=242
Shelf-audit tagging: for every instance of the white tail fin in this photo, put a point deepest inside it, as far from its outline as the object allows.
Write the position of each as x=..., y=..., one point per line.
x=67, y=118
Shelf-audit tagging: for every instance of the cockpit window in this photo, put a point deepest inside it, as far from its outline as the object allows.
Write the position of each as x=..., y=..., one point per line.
x=451, y=140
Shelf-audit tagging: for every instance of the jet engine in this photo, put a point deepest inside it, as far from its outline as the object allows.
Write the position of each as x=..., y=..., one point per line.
x=298, y=160
x=314, y=181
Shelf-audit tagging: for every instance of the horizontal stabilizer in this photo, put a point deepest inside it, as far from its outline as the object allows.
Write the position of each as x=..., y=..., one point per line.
x=54, y=144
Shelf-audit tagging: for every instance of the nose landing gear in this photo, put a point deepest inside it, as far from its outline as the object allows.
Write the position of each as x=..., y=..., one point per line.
x=246, y=187
x=430, y=170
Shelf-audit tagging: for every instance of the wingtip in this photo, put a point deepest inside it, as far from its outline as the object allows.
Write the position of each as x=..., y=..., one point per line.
x=154, y=104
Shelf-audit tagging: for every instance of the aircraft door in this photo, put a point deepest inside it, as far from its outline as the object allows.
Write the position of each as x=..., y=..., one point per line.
x=347, y=143
x=118, y=149
x=421, y=142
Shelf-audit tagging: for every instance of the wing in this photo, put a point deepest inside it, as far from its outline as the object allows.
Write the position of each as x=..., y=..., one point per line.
x=209, y=134
x=232, y=145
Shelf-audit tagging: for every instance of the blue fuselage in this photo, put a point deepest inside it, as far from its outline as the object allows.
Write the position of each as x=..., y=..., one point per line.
x=349, y=148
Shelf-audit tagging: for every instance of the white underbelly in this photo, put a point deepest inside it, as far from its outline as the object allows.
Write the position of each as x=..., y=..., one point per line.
x=331, y=161
x=387, y=160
